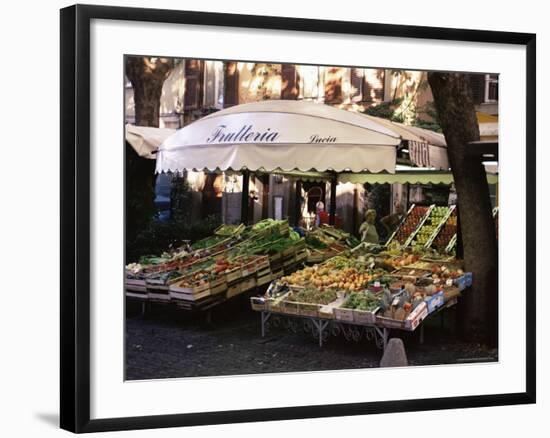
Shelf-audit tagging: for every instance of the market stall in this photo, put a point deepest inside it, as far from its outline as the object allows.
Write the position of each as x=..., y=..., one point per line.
x=308, y=139
x=297, y=136
x=365, y=293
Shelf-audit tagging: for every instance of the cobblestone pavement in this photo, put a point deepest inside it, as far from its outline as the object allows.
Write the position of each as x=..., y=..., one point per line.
x=168, y=342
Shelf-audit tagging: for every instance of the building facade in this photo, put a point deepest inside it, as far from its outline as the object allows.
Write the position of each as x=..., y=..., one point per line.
x=196, y=88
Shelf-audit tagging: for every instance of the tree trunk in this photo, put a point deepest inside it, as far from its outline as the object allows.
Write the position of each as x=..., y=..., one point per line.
x=455, y=107
x=147, y=76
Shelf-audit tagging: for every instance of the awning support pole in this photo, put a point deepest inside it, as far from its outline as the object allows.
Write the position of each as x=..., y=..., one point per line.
x=298, y=203
x=244, y=199
x=332, y=208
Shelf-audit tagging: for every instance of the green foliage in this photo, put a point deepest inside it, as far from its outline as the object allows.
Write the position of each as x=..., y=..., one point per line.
x=386, y=110
x=158, y=236
x=433, y=124
x=180, y=198
x=139, y=192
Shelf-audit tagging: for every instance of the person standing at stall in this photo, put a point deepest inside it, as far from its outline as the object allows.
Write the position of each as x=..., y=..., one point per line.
x=319, y=208
x=392, y=221
x=367, y=230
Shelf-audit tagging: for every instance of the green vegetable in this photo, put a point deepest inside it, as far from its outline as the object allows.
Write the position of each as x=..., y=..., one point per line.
x=365, y=301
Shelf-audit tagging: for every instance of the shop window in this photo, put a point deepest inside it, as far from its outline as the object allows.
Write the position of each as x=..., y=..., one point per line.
x=231, y=84
x=213, y=84
x=356, y=84
x=311, y=82
x=491, y=88
x=333, y=85
x=194, y=86
x=484, y=88
x=373, y=84
x=367, y=85
x=290, y=87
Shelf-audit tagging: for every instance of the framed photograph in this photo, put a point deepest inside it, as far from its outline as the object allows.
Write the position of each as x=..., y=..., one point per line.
x=268, y=218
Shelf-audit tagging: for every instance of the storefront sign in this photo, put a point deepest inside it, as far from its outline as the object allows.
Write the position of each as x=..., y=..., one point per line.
x=246, y=134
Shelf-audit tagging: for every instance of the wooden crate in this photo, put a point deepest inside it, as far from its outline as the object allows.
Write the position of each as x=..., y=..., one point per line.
x=158, y=293
x=289, y=261
x=220, y=279
x=234, y=290
x=264, y=279
x=262, y=262
x=364, y=317
x=289, y=252
x=410, y=323
x=136, y=289
x=136, y=295
x=220, y=288
x=258, y=304
x=307, y=309
x=291, y=307
x=410, y=274
x=326, y=313
x=342, y=314
x=390, y=322
x=300, y=245
x=301, y=256
x=177, y=296
x=234, y=275
x=249, y=268
x=274, y=258
x=188, y=293
x=276, y=304
x=248, y=284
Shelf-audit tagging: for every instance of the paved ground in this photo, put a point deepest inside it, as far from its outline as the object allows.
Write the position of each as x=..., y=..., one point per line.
x=167, y=342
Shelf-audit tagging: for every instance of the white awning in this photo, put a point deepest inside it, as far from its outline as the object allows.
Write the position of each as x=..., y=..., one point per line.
x=281, y=135
x=146, y=140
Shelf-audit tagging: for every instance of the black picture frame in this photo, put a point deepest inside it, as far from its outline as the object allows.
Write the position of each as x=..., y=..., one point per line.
x=75, y=216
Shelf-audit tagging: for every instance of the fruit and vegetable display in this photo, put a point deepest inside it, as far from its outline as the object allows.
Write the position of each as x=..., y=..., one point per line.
x=431, y=226
x=446, y=233
x=312, y=295
x=366, y=301
x=409, y=225
x=229, y=230
x=233, y=260
x=360, y=284
x=326, y=242
x=394, y=288
x=338, y=273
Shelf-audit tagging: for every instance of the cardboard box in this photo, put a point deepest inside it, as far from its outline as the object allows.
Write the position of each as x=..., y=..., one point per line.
x=435, y=301
x=416, y=317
